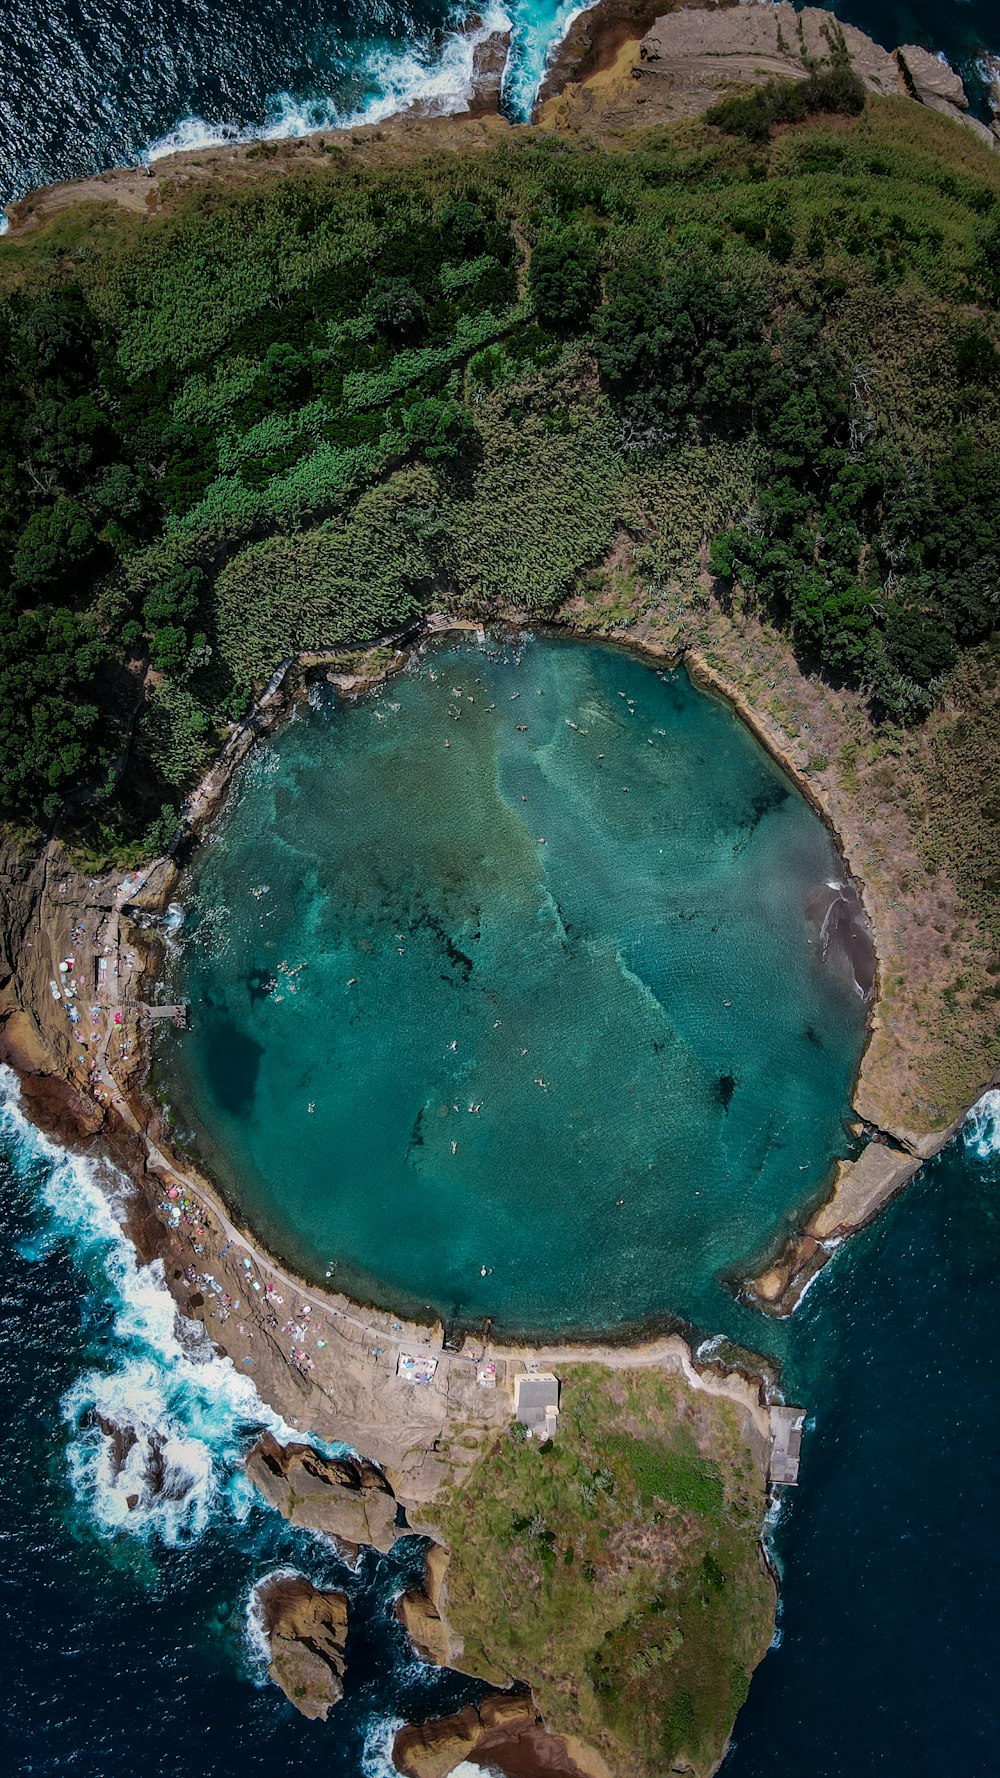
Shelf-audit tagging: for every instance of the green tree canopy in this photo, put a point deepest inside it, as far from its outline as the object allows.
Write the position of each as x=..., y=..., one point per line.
x=54, y=552
x=562, y=280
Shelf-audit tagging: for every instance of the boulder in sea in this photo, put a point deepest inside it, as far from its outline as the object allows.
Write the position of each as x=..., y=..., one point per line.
x=307, y=1634
x=348, y=1498
x=489, y=62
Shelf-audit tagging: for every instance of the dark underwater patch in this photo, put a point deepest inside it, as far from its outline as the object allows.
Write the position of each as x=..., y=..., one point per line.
x=769, y=797
x=232, y=1064
x=725, y=1087
x=459, y=960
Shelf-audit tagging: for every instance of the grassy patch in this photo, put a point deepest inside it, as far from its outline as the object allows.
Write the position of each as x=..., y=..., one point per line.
x=616, y=1569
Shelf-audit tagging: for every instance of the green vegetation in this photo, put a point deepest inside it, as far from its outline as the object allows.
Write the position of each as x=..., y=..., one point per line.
x=616, y=1568
x=299, y=413
x=754, y=114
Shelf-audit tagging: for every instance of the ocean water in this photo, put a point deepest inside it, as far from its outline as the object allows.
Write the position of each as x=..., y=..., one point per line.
x=86, y=84
x=131, y=1646
x=135, y=1647
x=522, y=960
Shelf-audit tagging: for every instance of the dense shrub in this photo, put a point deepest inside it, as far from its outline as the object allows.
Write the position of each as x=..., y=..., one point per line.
x=754, y=114
x=562, y=281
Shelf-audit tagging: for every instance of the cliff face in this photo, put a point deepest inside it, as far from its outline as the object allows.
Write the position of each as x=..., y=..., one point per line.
x=49, y=913
x=683, y=62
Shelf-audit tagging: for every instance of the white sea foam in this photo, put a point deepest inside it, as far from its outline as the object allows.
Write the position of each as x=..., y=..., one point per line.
x=176, y=1417
x=533, y=43
x=437, y=77
x=981, y=1130
x=376, y=1759
x=258, y=1643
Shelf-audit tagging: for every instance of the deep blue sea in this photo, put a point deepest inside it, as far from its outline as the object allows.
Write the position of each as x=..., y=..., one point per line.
x=87, y=84
x=130, y=1646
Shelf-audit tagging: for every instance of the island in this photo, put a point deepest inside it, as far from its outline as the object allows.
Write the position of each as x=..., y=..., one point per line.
x=703, y=361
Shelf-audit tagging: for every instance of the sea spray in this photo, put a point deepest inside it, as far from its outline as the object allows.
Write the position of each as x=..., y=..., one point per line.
x=981, y=1129
x=434, y=75
x=158, y=1433
x=538, y=27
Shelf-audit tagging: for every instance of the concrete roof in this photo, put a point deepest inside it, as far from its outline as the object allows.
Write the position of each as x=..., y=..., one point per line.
x=534, y=1394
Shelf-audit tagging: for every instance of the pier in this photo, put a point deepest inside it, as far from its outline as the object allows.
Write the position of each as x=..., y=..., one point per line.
x=178, y=1013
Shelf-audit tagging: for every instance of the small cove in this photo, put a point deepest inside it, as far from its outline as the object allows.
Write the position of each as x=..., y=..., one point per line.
x=521, y=964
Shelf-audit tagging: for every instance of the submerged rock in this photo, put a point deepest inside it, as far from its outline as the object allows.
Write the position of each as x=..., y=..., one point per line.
x=307, y=1634
x=346, y=1497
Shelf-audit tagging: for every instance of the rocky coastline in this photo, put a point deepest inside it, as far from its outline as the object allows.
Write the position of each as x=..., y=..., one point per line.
x=48, y=912
x=340, y=1383
x=112, y=928
x=623, y=65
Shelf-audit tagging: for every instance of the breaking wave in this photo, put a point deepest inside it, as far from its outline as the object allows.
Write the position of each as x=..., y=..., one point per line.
x=158, y=1429
x=981, y=1129
x=437, y=77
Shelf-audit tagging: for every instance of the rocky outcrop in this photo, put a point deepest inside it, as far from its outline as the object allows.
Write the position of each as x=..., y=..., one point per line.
x=489, y=61
x=699, y=55
x=929, y=79
x=861, y=1189
x=307, y=1634
x=345, y=1497
x=688, y=59
x=594, y=39
x=421, y=1613
x=503, y=1733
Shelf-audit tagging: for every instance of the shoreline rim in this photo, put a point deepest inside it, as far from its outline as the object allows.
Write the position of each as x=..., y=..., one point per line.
x=276, y=704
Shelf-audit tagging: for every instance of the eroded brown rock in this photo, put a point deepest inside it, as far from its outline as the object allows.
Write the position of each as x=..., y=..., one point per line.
x=420, y=1611
x=489, y=59
x=503, y=1733
x=345, y=1497
x=307, y=1632
x=930, y=80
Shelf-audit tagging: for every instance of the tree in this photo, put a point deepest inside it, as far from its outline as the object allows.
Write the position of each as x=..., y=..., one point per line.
x=689, y=344
x=440, y=431
x=168, y=649
x=66, y=438
x=562, y=281
x=463, y=226
x=54, y=551
x=177, y=597
x=396, y=309
x=50, y=724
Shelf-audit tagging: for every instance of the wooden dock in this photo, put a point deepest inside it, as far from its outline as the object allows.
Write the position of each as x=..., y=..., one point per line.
x=786, y=1445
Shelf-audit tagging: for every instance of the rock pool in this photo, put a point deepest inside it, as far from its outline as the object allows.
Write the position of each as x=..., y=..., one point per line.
x=513, y=994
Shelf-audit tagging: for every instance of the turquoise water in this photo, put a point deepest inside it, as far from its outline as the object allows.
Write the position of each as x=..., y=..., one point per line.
x=517, y=966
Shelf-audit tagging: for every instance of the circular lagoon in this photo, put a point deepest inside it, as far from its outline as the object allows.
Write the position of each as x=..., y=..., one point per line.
x=518, y=991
